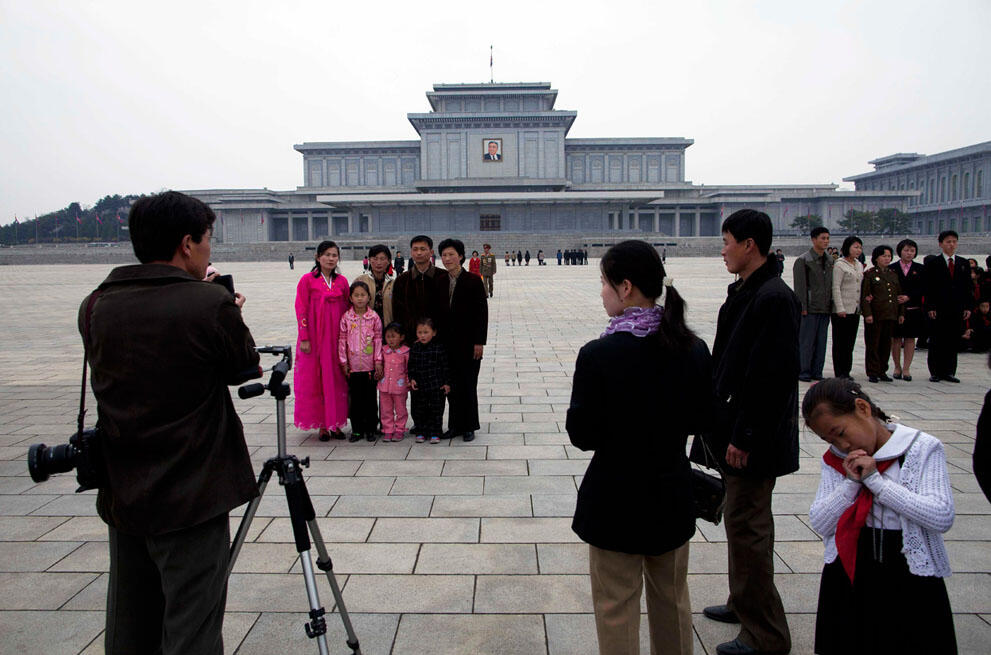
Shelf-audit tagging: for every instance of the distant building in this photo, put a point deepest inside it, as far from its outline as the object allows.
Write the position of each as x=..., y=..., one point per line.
x=496, y=158
x=949, y=190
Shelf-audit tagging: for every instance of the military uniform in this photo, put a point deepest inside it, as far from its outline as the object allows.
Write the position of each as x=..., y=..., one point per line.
x=879, y=301
x=488, y=269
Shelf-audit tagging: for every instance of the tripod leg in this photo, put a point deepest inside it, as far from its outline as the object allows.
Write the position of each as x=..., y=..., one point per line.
x=249, y=515
x=325, y=564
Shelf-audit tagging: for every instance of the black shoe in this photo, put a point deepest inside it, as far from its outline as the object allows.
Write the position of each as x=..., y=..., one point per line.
x=804, y=378
x=884, y=377
x=450, y=434
x=370, y=436
x=818, y=378
x=897, y=376
x=907, y=378
x=721, y=613
x=469, y=436
x=736, y=647
x=950, y=378
x=324, y=436
x=934, y=378
x=338, y=434
x=872, y=378
x=355, y=436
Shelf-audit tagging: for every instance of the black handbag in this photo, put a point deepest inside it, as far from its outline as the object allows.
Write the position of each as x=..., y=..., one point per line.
x=708, y=491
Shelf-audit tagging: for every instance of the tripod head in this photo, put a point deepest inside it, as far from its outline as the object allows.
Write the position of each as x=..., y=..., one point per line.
x=276, y=384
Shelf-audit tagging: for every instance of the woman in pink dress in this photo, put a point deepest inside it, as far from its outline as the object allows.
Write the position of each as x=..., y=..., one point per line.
x=319, y=384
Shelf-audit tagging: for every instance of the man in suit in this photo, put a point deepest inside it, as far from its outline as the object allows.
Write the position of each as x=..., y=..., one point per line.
x=948, y=301
x=493, y=153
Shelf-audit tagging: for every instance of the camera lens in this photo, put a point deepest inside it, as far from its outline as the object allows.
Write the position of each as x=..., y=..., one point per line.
x=43, y=461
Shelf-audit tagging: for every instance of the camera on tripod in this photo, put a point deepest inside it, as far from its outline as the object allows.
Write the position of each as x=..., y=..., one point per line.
x=83, y=453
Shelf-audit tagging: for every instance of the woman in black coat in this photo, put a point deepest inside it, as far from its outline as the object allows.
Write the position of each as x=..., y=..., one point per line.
x=639, y=391
x=463, y=317
x=910, y=279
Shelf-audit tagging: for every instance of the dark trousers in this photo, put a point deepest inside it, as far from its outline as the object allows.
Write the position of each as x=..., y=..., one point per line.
x=844, y=338
x=167, y=593
x=943, y=341
x=812, y=344
x=877, y=341
x=362, y=409
x=489, y=283
x=428, y=411
x=462, y=402
x=750, y=542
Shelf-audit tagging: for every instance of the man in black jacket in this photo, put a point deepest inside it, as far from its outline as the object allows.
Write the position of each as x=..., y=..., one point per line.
x=948, y=300
x=755, y=371
x=163, y=345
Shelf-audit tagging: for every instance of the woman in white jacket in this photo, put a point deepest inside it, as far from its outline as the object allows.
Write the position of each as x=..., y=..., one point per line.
x=848, y=273
x=883, y=504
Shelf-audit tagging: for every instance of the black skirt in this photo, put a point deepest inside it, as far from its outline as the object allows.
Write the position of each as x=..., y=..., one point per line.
x=887, y=609
x=914, y=324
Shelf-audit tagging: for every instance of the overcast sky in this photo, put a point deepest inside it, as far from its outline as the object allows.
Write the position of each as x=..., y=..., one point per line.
x=118, y=97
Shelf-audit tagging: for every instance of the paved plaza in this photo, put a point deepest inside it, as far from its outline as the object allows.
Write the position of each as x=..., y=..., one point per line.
x=443, y=549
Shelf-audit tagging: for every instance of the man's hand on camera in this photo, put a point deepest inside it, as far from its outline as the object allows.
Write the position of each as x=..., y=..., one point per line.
x=239, y=299
x=305, y=346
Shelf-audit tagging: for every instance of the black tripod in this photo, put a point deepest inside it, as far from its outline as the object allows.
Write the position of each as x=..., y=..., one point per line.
x=301, y=513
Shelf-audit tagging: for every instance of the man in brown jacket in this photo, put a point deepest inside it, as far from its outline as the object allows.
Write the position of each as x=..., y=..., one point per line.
x=163, y=345
x=488, y=268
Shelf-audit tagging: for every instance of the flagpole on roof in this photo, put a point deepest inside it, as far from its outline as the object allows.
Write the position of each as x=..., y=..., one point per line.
x=491, y=76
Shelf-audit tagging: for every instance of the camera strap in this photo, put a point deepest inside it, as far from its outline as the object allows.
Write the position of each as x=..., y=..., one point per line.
x=82, y=391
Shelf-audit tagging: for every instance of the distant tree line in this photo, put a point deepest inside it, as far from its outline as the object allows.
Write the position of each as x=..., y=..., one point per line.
x=104, y=221
x=883, y=221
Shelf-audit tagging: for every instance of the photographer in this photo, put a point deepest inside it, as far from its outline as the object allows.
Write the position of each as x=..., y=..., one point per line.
x=163, y=345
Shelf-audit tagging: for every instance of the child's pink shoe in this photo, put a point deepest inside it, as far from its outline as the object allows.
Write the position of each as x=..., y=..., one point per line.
x=398, y=436
x=420, y=438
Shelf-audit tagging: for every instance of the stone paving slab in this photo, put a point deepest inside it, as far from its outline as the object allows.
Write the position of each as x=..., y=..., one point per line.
x=451, y=548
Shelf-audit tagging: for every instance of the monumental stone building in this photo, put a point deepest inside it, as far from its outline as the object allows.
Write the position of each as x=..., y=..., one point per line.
x=949, y=190
x=494, y=160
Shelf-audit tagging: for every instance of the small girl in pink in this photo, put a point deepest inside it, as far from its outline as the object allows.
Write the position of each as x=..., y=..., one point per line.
x=394, y=385
x=359, y=351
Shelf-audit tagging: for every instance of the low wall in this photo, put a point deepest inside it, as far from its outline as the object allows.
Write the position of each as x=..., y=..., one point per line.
x=354, y=249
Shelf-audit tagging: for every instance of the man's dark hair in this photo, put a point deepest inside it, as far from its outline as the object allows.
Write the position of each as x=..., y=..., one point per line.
x=158, y=223
x=426, y=320
x=878, y=251
x=377, y=249
x=942, y=235
x=816, y=231
x=457, y=244
x=422, y=238
x=746, y=224
x=904, y=243
x=847, y=242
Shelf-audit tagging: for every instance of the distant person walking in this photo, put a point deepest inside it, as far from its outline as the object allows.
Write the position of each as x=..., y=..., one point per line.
x=519, y=257
x=399, y=264
x=560, y=256
x=292, y=261
x=540, y=258
x=527, y=257
x=475, y=264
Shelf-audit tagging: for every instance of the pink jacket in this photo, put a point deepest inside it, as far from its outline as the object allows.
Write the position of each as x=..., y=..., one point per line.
x=360, y=343
x=395, y=380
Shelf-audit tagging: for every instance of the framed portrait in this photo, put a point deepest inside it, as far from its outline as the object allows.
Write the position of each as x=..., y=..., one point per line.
x=492, y=150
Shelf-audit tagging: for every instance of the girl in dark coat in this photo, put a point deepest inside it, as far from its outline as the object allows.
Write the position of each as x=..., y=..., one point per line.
x=639, y=391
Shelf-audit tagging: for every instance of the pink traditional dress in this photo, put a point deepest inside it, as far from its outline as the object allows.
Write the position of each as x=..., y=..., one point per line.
x=319, y=385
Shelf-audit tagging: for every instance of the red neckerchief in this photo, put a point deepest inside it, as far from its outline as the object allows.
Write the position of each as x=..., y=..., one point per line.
x=854, y=518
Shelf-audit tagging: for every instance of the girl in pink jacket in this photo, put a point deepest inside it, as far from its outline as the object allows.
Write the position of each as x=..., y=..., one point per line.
x=394, y=385
x=359, y=349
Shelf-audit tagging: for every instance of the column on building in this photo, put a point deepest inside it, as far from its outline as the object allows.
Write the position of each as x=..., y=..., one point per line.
x=698, y=224
x=657, y=219
x=309, y=220
x=350, y=221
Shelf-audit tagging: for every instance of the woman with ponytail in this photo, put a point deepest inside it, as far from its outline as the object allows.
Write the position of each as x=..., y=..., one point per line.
x=639, y=390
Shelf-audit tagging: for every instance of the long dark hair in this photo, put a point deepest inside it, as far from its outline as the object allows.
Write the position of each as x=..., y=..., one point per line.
x=838, y=396
x=638, y=262
x=321, y=249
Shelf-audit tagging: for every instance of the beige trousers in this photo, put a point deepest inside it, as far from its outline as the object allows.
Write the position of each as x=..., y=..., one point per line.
x=617, y=583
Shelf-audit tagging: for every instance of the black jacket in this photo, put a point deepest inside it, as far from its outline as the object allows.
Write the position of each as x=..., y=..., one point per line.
x=913, y=284
x=413, y=297
x=428, y=365
x=163, y=348
x=462, y=321
x=756, y=364
x=944, y=294
x=982, y=448
x=635, y=405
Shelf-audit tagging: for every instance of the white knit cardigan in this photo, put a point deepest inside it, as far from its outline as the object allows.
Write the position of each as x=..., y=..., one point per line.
x=921, y=497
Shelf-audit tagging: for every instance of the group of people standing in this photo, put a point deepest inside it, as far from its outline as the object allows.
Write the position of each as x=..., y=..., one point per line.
x=572, y=257
x=900, y=301
x=882, y=484
x=434, y=325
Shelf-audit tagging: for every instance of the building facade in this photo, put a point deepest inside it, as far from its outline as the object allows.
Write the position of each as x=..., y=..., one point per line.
x=495, y=158
x=948, y=190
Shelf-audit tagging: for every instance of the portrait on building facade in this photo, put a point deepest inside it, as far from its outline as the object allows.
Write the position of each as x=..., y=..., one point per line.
x=491, y=149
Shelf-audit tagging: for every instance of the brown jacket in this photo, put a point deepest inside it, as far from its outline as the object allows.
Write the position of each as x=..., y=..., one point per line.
x=881, y=286
x=163, y=347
